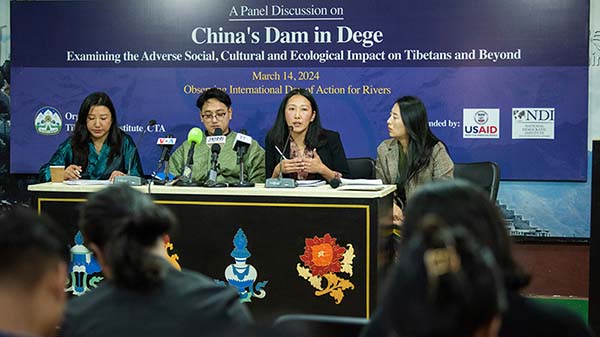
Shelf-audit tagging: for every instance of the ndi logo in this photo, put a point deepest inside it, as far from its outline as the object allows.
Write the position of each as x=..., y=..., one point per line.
x=533, y=123
x=481, y=123
x=48, y=121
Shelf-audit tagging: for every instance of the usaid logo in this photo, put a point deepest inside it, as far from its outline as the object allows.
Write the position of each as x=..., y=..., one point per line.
x=48, y=121
x=533, y=123
x=481, y=123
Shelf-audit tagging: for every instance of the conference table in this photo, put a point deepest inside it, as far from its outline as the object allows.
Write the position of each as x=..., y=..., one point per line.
x=314, y=250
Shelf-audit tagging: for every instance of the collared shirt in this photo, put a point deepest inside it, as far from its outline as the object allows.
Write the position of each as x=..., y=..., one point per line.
x=229, y=169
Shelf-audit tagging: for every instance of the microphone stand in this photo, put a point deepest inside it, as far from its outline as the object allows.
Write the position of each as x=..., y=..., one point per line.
x=241, y=150
x=214, y=168
x=281, y=182
x=166, y=170
x=186, y=175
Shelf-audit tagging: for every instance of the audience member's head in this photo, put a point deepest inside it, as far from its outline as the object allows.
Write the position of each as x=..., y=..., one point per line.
x=126, y=230
x=445, y=284
x=461, y=204
x=33, y=273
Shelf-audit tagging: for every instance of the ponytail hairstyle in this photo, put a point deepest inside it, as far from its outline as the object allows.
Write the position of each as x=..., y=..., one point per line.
x=446, y=284
x=125, y=224
x=462, y=204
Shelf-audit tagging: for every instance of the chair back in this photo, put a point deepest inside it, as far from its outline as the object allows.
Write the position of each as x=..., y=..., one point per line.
x=485, y=174
x=318, y=325
x=361, y=168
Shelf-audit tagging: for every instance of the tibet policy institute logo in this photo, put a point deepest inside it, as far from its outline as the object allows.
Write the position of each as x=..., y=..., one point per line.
x=48, y=121
x=481, y=123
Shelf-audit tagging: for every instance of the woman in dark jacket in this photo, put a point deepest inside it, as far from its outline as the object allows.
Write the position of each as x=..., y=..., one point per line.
x=308, y=150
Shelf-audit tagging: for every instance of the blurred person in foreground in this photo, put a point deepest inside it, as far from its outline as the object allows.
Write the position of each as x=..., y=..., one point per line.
x=33, y=274
x=445, y=285
x=143, y=294
x=461, y=205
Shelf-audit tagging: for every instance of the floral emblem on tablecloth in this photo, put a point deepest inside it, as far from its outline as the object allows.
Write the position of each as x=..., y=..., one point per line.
x=173, y=257
x=326, y=264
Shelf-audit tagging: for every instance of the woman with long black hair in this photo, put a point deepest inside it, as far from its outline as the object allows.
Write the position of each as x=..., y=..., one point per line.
x=97, y=149
x=414, y=155
x=309, y=151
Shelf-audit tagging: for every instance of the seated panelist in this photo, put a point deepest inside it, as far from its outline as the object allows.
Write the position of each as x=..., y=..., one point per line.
x=97, y=149
x=216, y=113
x=413, y=156
x=310, y=151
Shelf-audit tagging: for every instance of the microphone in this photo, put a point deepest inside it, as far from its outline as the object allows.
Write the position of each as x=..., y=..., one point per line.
x=335, y=183
x=240, y=145
x=281, y=182
x=194, y=137
x=215, y=141
x=167, y=145
x=133, y=180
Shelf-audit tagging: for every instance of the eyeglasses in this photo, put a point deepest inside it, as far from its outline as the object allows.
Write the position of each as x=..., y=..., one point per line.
x=218, y=116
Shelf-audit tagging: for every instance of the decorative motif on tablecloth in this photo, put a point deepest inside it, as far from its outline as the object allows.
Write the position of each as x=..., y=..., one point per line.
x=82, y=266
x=241, y=274
x=173, y=257
x=327, y=266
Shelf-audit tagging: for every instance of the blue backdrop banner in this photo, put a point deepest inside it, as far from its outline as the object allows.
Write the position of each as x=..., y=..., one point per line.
x=502, y=80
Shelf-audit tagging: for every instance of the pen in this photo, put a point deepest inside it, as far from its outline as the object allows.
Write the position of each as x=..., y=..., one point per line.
x=280, y=153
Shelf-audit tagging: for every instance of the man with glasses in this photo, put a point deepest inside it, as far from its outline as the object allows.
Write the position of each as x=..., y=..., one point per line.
x=216, y=113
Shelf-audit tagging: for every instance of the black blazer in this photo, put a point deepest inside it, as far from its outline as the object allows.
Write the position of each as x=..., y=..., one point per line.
x=329, y=148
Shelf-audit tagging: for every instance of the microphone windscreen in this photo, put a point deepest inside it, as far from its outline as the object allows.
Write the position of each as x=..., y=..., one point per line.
x=215, y=148
x=243, y=132
x=335, y=183
x=152, y=122
x=195, y=135
x=218, y=132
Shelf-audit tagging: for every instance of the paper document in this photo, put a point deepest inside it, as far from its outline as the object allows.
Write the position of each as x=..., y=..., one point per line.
x=361, y=187
x=372, y=182
x=85, y=182
x=310, y=183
